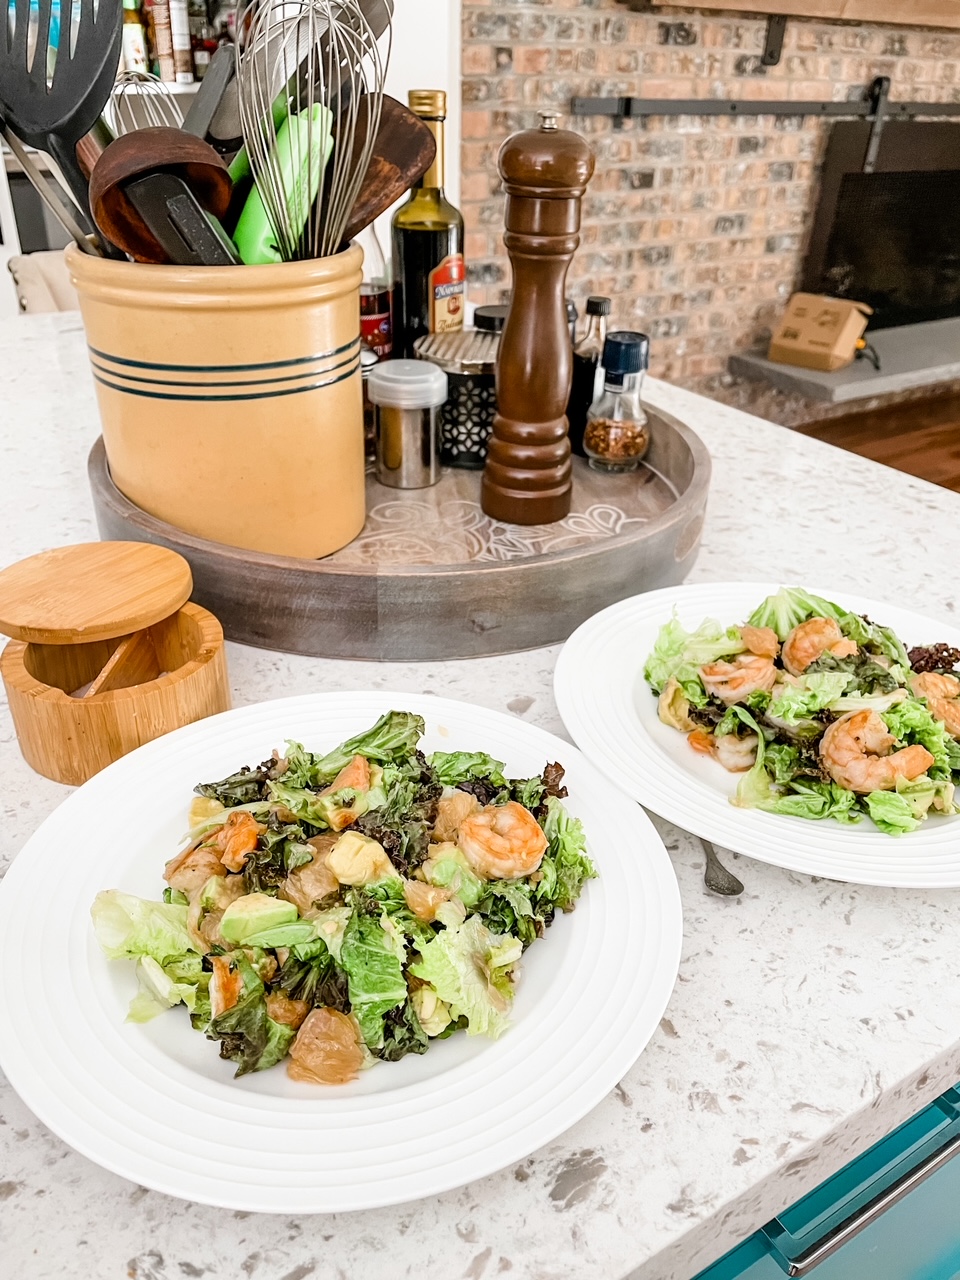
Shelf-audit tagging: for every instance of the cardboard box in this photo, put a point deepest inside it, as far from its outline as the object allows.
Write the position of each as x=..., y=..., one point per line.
x=818, y=332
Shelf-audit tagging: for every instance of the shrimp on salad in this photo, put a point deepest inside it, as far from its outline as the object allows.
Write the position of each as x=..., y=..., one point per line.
x=824, y=711
x=942, y=693
x=735, y=681
x=502, y=842
x=855, y=751
x=811, y=640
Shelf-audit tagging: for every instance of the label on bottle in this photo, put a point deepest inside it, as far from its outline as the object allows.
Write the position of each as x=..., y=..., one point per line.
x=446, y=289
x=376, y=331
x=134, y=48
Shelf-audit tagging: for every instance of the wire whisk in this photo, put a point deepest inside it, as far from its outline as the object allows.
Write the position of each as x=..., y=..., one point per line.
x=141, y=100
x=310, y=81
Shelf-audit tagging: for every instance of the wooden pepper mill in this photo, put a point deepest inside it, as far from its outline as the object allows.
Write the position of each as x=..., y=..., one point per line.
x=527, y=479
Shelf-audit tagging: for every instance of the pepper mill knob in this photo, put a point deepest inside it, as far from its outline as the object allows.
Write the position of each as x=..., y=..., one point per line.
x=527, y=479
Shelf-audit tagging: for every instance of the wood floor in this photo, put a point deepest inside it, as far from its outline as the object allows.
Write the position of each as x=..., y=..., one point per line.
x=921, y=438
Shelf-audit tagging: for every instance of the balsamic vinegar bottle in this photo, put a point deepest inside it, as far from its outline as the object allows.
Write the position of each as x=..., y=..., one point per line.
x=428, y=262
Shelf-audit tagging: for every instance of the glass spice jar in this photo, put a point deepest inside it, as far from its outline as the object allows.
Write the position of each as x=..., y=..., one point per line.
x=618, y=433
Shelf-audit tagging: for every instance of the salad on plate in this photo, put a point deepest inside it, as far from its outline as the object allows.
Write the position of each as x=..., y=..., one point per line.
x=332, y=910
x=824, y=712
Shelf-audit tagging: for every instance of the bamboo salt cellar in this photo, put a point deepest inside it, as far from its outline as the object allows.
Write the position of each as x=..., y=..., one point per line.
x=527, y=479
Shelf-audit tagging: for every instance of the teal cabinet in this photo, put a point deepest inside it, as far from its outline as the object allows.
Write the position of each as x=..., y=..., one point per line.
x=891, y=1214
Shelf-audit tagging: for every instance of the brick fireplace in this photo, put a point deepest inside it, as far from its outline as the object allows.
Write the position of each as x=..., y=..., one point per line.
x=696, y=226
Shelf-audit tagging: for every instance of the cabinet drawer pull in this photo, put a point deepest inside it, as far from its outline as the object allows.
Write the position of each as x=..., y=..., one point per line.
x=836, y=1239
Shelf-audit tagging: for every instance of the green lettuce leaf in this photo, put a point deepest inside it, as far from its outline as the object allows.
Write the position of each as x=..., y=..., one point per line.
x=129, y=926
x=161, y=987
x=469, y=970
x=806, y=798
x=393, y=738
x=374, y=975
x=679, y=654
x=892, y=812
x=794, y=704
x=567, y=851
x=911, y=721
x=782, y=762
x=788, y=608
x=454, y=767
x=879, y=702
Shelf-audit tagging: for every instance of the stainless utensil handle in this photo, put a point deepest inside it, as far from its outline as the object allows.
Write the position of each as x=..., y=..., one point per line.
x=857, y=1222
x=58, y=205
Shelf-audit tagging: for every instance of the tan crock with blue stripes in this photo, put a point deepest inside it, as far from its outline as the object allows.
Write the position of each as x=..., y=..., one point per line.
x=231, y=398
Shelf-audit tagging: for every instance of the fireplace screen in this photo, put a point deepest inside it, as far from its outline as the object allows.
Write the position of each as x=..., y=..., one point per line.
x=895, y=244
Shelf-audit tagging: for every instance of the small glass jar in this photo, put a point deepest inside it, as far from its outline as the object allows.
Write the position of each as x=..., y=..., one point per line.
x=617, y=436
x=407, y=395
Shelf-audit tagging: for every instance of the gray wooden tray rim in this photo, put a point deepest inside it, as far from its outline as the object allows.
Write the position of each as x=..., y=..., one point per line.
x=430, y=612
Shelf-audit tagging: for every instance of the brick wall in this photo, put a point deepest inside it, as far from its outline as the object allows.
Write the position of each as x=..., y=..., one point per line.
x=695, y=226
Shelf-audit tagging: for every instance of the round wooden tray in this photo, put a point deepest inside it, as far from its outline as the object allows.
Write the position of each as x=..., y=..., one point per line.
x=431, y=577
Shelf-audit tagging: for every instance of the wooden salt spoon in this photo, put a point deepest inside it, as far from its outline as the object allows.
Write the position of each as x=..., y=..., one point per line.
x=403, y=151
x=145, y=151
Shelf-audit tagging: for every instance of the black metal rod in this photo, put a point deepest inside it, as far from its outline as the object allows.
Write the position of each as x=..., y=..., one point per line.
x=629, y=108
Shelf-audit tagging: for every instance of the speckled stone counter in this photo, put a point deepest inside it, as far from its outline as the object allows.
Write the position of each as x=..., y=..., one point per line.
x=809, y=1018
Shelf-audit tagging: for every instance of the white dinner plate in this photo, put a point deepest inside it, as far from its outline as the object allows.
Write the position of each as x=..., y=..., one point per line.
x=156, y=1104
x=611, y=713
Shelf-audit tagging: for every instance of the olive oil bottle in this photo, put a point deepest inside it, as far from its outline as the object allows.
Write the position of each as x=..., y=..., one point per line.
x=428, y=265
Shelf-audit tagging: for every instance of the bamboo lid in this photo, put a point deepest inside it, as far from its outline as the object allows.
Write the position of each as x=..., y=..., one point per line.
x=92, y=591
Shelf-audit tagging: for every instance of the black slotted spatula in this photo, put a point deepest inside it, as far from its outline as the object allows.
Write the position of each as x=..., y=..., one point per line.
x=54, y=116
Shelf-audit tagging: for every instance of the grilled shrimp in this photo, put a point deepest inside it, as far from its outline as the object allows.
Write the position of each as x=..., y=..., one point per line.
x=734, y=681
x=760, y=640
x=855, y=751
x=943, y=698
x=811, y=640
x=737, y=755
x=503, y=841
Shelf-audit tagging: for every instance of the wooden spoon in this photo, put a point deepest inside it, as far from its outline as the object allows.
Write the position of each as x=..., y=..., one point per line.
x=404, y=150
x=149, y=151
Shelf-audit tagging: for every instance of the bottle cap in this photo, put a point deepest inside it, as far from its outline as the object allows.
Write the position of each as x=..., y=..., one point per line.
x=597, y=306
x=429, y=104
x=625, y=352
x=572, y=311
x=407, y=384
x=491, y=318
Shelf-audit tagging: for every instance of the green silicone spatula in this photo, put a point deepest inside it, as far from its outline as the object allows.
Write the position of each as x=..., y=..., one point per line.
x=300, y=154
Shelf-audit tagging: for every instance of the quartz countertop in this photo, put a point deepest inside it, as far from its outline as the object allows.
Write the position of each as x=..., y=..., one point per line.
x=809, y=1018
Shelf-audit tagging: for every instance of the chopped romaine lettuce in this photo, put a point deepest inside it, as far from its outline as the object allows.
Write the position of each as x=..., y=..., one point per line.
x=469, y=970
x=794, y=703
x=454, y=767
x=374, y=975
x=129, y=926
x=161, y=987
x=567, y=852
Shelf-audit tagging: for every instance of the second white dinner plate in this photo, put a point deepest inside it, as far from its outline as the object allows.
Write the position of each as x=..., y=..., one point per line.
x=611, y=713
x=156, y=1104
